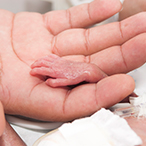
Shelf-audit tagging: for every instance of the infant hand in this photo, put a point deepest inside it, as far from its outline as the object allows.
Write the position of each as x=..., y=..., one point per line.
x=62, y=72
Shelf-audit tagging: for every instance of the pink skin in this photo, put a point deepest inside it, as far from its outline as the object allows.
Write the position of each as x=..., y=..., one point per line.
x=138, y=125
x=10, y=137
x=26, y=37
x=63, y=72
x=2, y=119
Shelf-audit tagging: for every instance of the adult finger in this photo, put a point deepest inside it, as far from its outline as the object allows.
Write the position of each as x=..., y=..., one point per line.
x=122, y=59
x=64, y=104
x=89, y=41
x=118, y=59
x=87, y=99
x=81, y=16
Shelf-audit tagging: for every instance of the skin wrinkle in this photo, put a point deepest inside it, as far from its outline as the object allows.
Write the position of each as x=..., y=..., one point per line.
x=120, y=29
x=53, y=43
x=65, y=100
x=123, y=58
x=86, y=36
x=55, y=50
x=88, y=11
x=47, y=26
x=96, y=99
x=87, y=59
x=33, y=88
x=67, y=96
x=68, y=14
x=6, y=94
x=44, y=23
x=12, y=43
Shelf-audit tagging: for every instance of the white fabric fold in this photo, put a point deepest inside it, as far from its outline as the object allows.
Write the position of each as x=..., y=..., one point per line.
x=102, y=129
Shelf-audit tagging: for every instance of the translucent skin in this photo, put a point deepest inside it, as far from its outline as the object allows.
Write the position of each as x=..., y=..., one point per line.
x=63, y=72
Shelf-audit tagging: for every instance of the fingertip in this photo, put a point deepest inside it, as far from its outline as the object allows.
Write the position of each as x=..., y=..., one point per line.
x=32, y=66
x=113, y=89
x=32, y=72
x=105, y=8
x=86, y=99
x=54, y=83
x=131, y=83
x=116, y=4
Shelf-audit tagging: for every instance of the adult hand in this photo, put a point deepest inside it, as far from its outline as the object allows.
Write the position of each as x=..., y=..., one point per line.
x=115, y=48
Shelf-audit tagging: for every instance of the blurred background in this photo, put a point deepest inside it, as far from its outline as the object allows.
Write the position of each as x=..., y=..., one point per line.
x=40, y=6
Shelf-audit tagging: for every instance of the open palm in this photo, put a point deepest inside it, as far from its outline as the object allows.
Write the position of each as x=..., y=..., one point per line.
x=115, y=48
